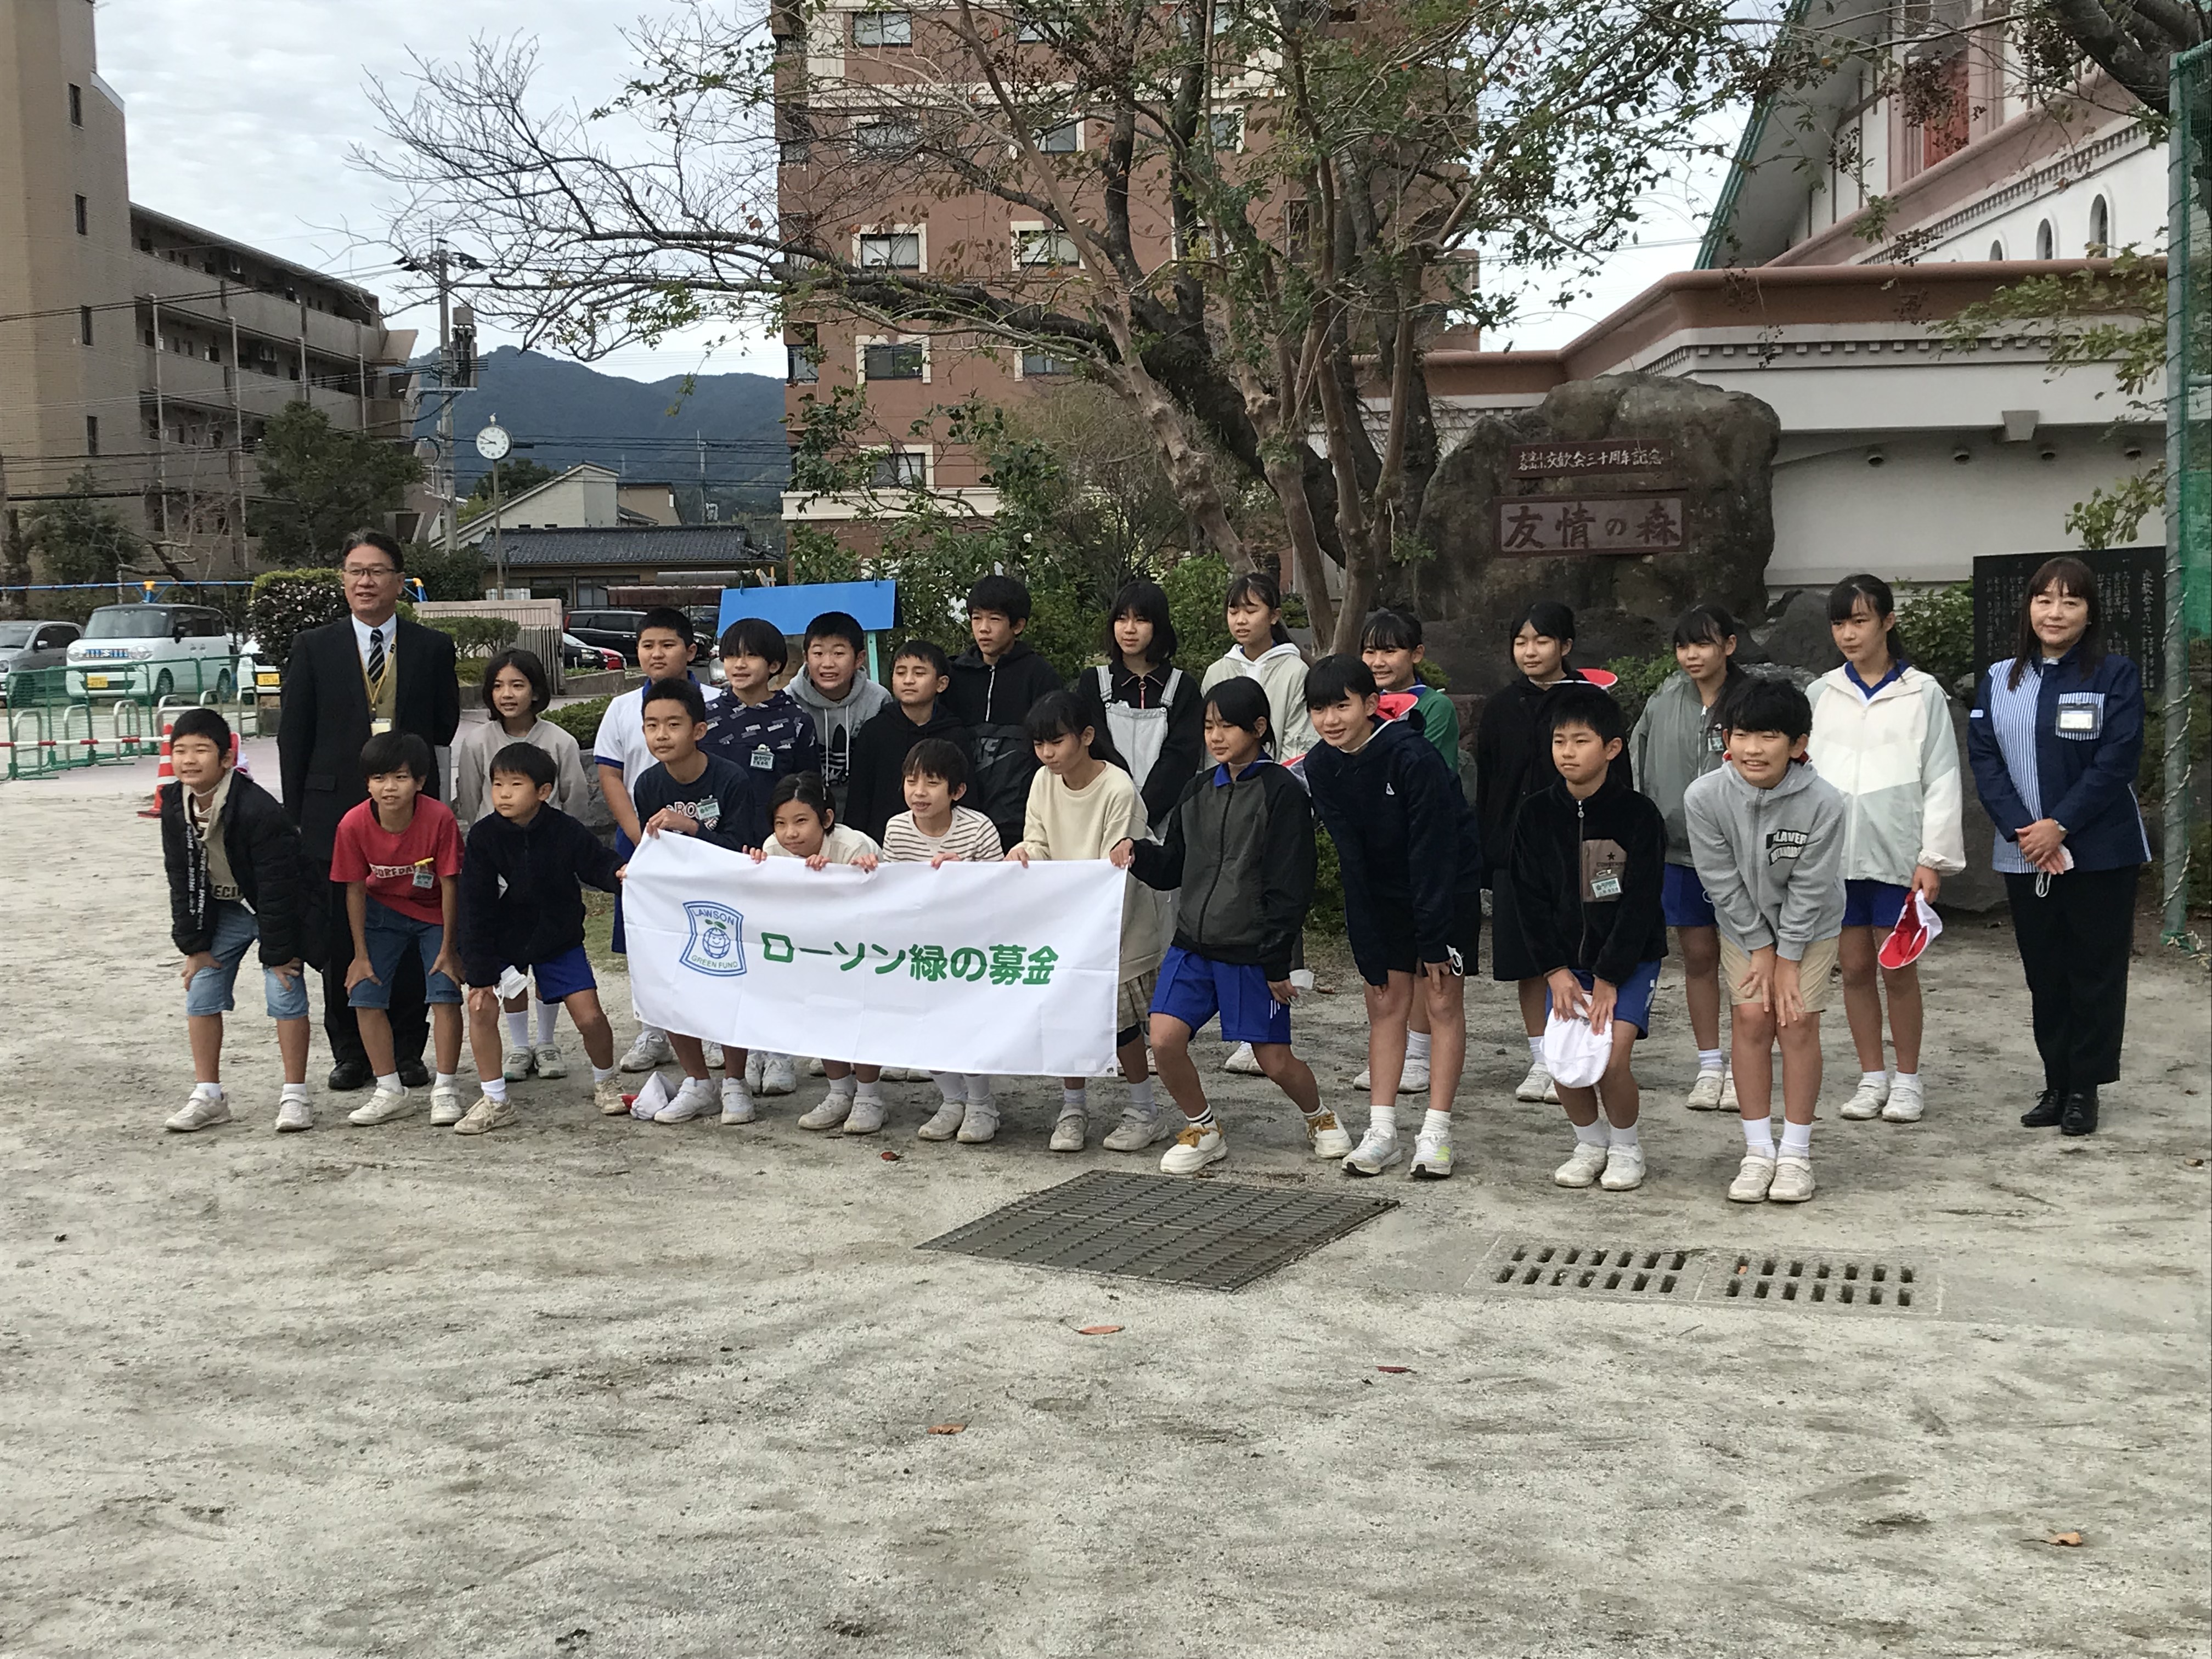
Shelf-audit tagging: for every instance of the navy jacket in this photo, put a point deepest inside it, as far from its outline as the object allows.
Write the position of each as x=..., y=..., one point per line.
x=546, y=867
x=1513, y=760
x=1405, y=838
x=2088, y=783
x=1615, y=843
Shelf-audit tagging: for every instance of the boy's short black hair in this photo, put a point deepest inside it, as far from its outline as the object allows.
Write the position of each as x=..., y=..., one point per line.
x=927, y=651
x=937, y=757
x=1764, y=703
x=527, y=758
x=396, y=752
x=1002, y=594
x=839, y=625
x=1391, y=630
x=808, y=790
x=204, y=723
x=1333, y=679
x=677, y=621
x=676, y=688
x=755, y=636
x=1579, y=704
x=525, y=664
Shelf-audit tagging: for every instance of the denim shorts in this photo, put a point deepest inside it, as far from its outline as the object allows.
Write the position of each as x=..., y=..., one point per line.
x=234, y=934
x=391, y=935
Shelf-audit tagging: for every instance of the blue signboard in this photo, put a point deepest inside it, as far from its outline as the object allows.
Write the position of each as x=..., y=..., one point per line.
x=871, y=603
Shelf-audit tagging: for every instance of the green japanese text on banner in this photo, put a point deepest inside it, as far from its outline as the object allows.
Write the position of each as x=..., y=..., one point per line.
x=978, y=968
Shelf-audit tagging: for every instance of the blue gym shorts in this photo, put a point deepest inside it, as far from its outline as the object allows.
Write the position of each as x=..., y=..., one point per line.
x=1632, y=1003
x=1193, y=988
x=558, y=978
x=1874, y=904
x=1682, y=895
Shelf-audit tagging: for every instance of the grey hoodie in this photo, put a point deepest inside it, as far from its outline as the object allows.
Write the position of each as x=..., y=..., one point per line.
x=1671, y=747
x=837, y=723
x=1771, y=861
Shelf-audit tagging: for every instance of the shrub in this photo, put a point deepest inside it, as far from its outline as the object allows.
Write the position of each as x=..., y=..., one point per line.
x=1640, y=677
x=461, y=577
x=1195, y=588
x=478, y=636
x=580, y=719
x=1938, y=634
x=286, y=603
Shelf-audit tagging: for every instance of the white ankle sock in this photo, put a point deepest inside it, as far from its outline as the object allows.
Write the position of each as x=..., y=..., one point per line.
x=208, y=1090
x=1436, y=1123
x=949, y=1085
x=1383, y=1119
x=1708, y=1060
x=1905, y=1080
x=1536, y=1049
x=601, y=1073
x=869, y=1092
x=443, y=1080
x=1796, y=1140
x=847, y=1085
x=1619, y=1137
x=1075, y=1100
x=978, y=1088
x=1141, y=1098
x=1758, y=1135
x=1204, y=1119
x=292, y=1091
x=390, y=1083
x=1879, y=1079
x=549, y=1016
x=1417, y=1045
x=518, y=1028
x=1590, y=1134
x=495, y=1086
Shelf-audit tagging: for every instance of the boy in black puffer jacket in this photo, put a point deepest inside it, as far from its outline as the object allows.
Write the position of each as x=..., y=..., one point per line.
x=233, y=857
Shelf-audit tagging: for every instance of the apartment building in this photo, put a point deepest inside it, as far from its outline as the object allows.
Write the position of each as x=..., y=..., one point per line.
x=140, y=351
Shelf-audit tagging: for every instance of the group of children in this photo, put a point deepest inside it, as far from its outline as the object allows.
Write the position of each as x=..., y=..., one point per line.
x=1770, y=870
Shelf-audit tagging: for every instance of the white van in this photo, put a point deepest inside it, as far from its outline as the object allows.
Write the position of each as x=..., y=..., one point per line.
x=153, y=651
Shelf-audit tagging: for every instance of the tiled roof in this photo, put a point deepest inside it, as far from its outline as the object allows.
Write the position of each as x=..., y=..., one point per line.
x=663, y=547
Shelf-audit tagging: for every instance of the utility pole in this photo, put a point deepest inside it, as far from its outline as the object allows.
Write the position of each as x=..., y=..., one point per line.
x=498, y=525
x=451, y=482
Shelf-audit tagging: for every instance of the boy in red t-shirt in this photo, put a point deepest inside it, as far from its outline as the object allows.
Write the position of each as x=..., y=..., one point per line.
x=399, y=854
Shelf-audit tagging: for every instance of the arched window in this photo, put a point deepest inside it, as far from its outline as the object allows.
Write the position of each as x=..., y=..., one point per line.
x=1996, y=251
x=2046, y=241
x=2100, y=228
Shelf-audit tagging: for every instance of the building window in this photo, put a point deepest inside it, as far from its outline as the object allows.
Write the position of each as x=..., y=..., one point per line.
x=1996, y=252
x=2045, y=241
x=1043, y=246
x=92, y=435
x=900, y=469
x=83, y=217
x=801, y=356
x=899, y=250
x=892, y=360
x=76, y=105
x=885, y=139
x=794, y=152
x=84, y=325
x=1227, y=131
x=1033, y=23
x=2100, y=229
x=1297, y=221
x=1038, y=364
x=883, y=28
x=1065, y=139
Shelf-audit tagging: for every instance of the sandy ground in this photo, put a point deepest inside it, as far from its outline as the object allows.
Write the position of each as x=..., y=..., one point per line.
x=594, y=1388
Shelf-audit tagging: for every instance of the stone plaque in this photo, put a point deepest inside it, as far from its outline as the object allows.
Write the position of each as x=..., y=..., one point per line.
x=1596, y=455
x=1605, y=524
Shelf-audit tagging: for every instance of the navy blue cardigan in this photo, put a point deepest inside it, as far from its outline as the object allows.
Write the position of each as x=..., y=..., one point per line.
x=2088, y=784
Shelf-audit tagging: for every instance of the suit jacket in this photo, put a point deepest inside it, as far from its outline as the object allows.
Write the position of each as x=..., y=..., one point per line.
x=326, y=720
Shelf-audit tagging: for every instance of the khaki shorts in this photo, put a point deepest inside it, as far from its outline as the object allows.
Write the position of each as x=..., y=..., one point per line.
x=1816, y=972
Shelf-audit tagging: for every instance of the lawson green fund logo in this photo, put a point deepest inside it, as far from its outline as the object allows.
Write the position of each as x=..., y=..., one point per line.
x=717, y=944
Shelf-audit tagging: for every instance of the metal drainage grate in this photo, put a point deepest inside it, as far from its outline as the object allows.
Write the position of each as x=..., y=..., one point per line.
x=1214, y=1235
x=1801, y=1281
x=1614, y=1270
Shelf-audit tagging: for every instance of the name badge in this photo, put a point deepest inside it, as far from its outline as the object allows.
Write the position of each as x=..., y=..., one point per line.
x=763, y=760
x=378, y=725
x=2077, y=719
x=1605, y=887
x=426, y=874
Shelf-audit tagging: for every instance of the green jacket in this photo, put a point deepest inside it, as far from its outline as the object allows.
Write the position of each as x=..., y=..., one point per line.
x=1438, y=720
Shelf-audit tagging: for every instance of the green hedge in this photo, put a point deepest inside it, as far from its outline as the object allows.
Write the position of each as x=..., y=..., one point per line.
x=479, y=637
x=286, y=603
x=580, y=719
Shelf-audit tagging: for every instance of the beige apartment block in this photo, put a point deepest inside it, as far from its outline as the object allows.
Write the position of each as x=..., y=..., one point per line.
x=143, y=352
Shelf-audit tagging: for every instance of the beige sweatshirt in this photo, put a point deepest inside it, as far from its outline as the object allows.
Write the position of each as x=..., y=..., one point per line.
x=1085, y=824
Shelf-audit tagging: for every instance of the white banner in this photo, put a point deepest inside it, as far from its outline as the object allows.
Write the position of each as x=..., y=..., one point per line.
x=986, y=968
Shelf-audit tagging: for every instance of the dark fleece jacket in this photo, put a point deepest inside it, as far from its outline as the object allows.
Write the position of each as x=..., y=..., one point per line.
x=875, y=793
x=1561, y=848
x=992, y=700
x=546, y=866
x=264, y=850
x=1513, y=760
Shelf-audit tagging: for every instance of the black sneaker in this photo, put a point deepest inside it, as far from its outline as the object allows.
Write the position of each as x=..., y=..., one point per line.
x=348, y=1075
x=2080, y=1113
x=2050, y=1106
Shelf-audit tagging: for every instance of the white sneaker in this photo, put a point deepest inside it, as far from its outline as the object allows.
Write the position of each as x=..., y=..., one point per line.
x=738, y=1101
x=1412, y=1080
x=1195, y=1147
x=1069, y=1129
x=1624, y=1168
x=608, y=1097
x=753, y=1061
x=866, y=1115
x=1377, y=1151
x=516, y=1067
x=1868, y=1099
x=446, y=1107
x=384, y=1105
x=697, y=1095
x=712, y=1053
x=650, y=1048
x=979, y=1124
x=1728, y=1102
x=1793, y=1181
x=1432, y=1156
x=1136, y=1131
x=200, y=1112
x=294, y=1113
x=1583, y=1166
x=1753, y=1179
x=828, y=1113
x=487, y=1115
x=776, y=1075
x=944, y=1123
x=551, y=1062
x=1537, y=1086
x=1907, y=1101
x=1328, y=1136
x=1244, y=1062
x=814, y=1067
x=1705, y=1092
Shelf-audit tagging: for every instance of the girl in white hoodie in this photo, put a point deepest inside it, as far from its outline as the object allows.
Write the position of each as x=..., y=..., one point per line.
x=1881, y=735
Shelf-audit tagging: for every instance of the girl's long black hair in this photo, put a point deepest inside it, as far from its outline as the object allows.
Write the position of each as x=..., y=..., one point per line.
x=1061, y=714
x=1257, y=587
x=2071, y=576
x=1843, y=602
x=1711, y=624
x=1243, y=703
x=1148, y=600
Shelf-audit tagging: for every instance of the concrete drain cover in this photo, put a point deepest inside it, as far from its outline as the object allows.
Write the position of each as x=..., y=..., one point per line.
x=1605, y=1270
x=1213, y=1235
x=1780, y=1280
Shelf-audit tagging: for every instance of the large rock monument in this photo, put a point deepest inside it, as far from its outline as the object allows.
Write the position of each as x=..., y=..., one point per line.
x=1632, y=497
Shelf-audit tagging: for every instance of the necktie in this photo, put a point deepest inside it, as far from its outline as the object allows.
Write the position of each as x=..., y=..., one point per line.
x=376, y=655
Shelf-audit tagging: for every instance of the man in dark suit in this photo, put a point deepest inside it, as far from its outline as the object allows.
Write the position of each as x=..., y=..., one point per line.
x=372, y=672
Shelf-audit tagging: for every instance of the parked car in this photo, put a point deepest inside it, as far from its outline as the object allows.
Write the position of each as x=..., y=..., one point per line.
x=28, y=645
x=151, y=650
x=584, y=658
x=618, y=631
x=255, y=676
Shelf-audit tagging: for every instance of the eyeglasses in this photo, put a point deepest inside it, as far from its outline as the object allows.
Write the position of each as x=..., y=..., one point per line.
x=356, y=571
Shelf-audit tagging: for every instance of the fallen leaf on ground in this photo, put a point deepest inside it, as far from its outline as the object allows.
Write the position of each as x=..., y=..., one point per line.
x=2194, y=1163
x=1393, y=1371
x=1097, y=1330
x=2071, y=1541
x=891, y=1157
x=946, y=1428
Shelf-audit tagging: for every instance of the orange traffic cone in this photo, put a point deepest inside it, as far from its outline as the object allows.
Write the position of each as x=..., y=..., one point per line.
x=153, y=808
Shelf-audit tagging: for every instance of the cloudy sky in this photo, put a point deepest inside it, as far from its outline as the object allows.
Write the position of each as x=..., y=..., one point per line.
x=241, y=114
